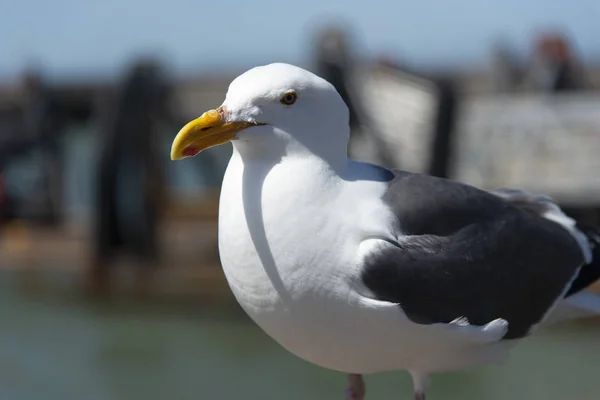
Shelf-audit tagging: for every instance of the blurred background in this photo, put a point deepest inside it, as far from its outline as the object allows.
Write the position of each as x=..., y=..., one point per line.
x=110, y=283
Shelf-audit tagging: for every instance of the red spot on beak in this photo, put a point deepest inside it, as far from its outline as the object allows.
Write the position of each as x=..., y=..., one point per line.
x=190, y=151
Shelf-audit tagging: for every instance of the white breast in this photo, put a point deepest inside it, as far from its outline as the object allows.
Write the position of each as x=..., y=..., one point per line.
x=288, y=247
x=290, y=240
x=273, y=224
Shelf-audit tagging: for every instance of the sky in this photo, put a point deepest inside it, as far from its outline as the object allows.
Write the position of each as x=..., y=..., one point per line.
x=75, y=37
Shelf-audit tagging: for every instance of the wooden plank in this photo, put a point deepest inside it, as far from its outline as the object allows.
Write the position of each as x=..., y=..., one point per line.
x=400, y=112
x=533, y=142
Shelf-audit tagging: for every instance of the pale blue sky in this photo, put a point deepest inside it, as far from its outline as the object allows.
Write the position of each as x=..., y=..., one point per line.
x=89, y=38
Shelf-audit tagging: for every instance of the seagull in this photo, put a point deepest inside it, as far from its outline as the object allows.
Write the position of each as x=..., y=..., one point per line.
x=362, y=269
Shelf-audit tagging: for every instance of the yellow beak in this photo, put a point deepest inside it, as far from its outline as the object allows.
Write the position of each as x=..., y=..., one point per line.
x=209, y=130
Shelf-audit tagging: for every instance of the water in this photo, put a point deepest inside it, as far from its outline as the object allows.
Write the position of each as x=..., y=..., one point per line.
x=76, y=349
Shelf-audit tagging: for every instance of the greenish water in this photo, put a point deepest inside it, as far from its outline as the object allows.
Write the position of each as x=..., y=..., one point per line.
x=57, y=349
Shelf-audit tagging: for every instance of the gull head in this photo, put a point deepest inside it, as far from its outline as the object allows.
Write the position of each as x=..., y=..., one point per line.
x=272, y=110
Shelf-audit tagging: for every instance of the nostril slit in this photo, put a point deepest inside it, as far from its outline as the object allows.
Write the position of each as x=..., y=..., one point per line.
x=205, y=128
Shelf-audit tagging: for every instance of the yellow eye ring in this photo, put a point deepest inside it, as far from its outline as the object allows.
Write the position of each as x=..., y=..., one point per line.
x=289, y=98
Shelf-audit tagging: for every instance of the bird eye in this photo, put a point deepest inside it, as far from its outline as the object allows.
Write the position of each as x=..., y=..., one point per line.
x=289, y=98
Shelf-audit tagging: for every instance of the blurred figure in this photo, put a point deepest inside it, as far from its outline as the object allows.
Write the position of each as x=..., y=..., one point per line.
x=334, y=63
x=42, y=124
x=504, y=68
x=553, y=68
x=4, y=205
x=130, y=191
x=32, y=133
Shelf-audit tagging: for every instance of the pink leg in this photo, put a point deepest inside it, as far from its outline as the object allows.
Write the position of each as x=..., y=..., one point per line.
x=356, y=387
x=420, y=381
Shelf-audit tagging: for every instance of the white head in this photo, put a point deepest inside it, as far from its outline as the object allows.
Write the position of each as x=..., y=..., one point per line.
x=272, y=111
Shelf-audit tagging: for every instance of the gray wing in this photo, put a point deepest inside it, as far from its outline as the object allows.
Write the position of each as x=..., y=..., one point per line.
x=469, y=253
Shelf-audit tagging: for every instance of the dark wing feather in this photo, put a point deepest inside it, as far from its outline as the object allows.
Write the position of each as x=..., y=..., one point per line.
x=468, y=253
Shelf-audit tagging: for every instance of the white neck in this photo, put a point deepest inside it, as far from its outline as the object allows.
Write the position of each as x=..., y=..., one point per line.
x=278, y=147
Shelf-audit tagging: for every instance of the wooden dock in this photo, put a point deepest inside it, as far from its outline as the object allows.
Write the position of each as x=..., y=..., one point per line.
x=56, y=260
